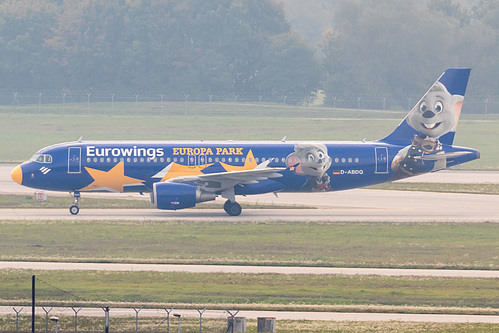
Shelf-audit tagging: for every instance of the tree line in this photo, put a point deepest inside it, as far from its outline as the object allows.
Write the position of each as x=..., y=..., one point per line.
x=243, y=48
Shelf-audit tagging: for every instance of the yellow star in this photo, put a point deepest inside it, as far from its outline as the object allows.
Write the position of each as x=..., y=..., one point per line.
x=249, y=164
x=113, y=179
x=177, y=170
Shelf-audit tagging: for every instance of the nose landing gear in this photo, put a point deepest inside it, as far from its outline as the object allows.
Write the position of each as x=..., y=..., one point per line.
x=74, y=209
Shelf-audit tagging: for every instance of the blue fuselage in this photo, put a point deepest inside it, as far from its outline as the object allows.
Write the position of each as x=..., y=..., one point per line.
x=75, y=166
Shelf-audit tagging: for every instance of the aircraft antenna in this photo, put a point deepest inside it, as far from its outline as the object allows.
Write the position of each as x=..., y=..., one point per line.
x=284, y=139
x=81, y=137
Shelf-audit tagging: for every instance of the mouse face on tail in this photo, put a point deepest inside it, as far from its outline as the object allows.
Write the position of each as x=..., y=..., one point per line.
x=437, y=113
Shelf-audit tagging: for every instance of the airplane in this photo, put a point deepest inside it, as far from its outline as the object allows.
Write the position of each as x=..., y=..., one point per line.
x=180, y=174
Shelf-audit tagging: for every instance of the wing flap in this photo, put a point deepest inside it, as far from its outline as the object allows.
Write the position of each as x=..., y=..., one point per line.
x=223, y=180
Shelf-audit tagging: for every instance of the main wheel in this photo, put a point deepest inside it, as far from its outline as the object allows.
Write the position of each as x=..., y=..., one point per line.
x=233, y=208
x=226, y=206
x=74, y=210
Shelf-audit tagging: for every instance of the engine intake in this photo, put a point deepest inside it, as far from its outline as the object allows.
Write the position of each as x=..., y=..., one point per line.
x=173, y=196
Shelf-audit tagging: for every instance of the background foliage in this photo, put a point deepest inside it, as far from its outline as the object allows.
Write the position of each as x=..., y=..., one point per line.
x=247, y=48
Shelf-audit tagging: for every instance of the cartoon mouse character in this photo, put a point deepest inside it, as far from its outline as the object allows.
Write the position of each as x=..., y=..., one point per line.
x=435, y=115
x=311, y=159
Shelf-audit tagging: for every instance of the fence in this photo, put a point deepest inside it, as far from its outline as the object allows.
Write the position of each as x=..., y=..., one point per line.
x=162, y=104
x=108, y=319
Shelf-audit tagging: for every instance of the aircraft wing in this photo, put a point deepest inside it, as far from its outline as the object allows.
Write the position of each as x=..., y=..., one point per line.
x=221, y=181
x=442, y=156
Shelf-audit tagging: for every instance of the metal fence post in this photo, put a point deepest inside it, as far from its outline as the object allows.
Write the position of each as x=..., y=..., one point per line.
x=76, y=317
x=168, y=319
x=137, y=318
x=201, y=319
x=106, y=324
x=46, y=319
x=17, y=318
x=231, y=327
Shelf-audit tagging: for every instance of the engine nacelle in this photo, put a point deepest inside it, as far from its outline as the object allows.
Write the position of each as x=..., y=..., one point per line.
x=175, y=196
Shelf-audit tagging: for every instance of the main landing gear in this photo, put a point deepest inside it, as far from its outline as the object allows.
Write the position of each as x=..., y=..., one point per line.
x=232, y=208
x=74, y=209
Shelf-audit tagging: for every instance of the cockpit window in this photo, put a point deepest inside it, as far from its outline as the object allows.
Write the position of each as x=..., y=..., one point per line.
x=41, y=158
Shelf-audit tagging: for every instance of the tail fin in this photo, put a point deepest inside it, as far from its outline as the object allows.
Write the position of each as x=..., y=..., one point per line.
x=436, y=115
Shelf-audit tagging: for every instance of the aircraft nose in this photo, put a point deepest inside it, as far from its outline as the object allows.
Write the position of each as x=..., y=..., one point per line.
x=17, y=174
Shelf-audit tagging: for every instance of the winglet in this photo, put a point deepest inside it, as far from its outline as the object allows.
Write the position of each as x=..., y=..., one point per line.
x=437, y=113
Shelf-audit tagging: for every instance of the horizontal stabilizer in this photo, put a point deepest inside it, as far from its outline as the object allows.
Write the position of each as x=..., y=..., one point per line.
x=441, y=156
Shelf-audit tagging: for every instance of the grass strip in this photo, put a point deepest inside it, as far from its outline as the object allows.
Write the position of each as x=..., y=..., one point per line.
x=440, y=187
x=216, y=288
x=329, y=244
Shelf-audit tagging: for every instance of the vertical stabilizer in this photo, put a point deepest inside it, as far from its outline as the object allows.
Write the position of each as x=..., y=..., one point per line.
x=436, y=115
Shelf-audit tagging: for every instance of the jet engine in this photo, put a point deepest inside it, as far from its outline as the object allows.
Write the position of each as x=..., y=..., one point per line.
x=175, y=196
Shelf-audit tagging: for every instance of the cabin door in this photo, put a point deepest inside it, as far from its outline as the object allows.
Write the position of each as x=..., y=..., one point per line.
x=74, y=160
x=381, y=157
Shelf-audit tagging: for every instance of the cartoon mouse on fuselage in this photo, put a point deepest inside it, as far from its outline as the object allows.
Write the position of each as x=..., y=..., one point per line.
x=311, y=159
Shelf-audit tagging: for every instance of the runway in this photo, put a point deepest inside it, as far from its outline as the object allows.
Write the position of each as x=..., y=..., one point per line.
x=207, y=269
x=352, y=205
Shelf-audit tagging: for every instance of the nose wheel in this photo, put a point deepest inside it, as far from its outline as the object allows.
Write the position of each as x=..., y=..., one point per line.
x=232, y=208
x=74, y=209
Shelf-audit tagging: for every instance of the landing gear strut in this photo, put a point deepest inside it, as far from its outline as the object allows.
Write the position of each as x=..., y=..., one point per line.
x=74, y=209
x=232, y=208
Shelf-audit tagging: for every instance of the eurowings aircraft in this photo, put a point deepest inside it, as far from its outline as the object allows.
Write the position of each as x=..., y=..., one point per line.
x=179, y=174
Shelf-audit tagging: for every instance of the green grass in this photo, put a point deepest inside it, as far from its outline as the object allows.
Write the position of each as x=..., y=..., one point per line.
x=400, y=245
x=255, y=289
x=23, y=131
